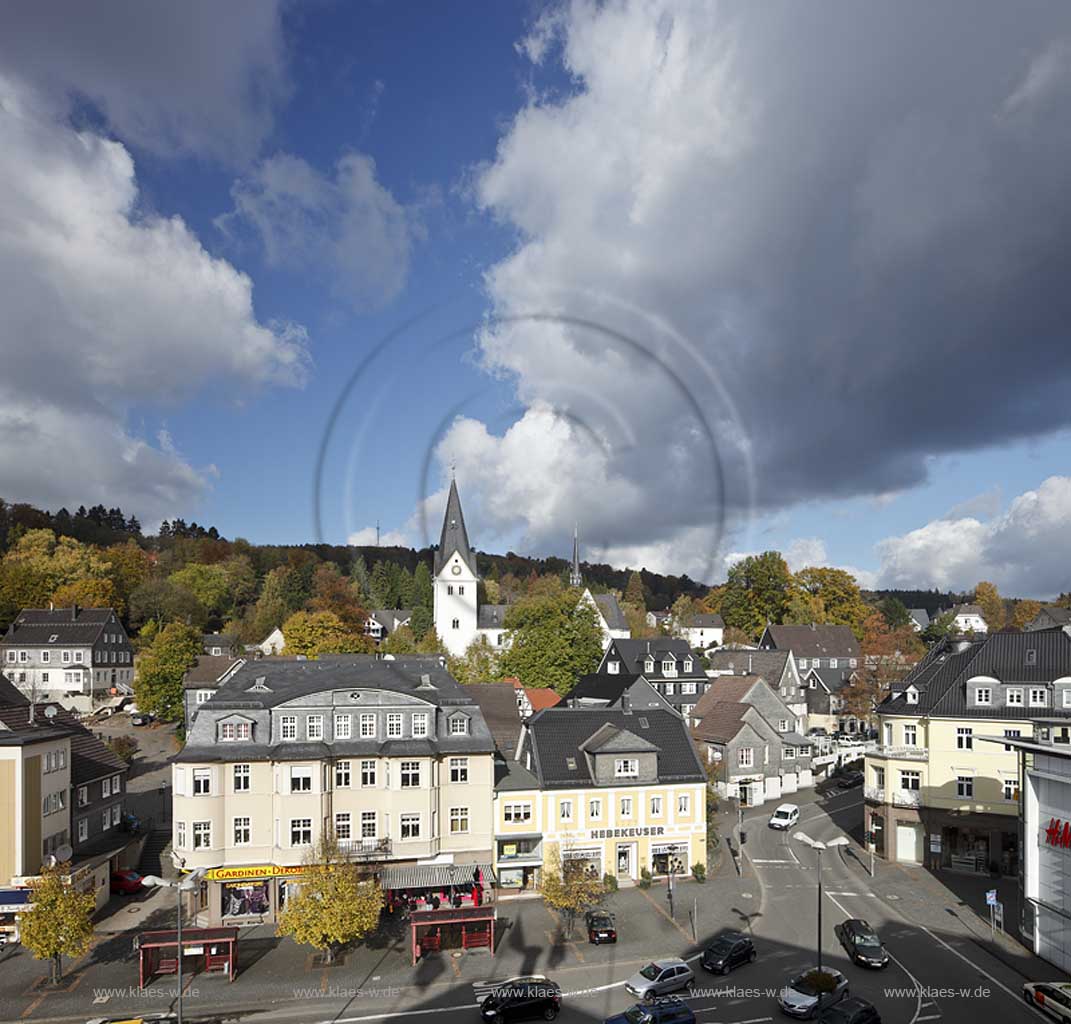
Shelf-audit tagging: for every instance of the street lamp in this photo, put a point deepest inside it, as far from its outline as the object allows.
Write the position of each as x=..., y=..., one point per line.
x=818, y=847
x=187, y=884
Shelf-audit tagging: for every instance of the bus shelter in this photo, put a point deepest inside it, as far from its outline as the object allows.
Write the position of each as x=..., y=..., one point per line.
x=211, y=950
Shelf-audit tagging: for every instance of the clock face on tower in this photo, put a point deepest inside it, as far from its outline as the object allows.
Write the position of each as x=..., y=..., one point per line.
x=456, y=570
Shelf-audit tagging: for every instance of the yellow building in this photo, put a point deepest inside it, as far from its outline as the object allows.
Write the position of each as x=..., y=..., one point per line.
x=620, y=790
x=933, y=794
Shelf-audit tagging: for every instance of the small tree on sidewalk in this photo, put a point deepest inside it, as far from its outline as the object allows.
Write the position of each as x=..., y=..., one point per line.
x=336, y=905
x=570, y=889
x=59, y=921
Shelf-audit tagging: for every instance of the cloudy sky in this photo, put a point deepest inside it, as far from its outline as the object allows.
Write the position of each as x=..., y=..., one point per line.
x=706, y=278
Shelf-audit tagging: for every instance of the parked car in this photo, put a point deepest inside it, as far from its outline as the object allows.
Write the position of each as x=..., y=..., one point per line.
x=861, y=943
x=659, y=978
x=141, y=718
x=849, y=780
x=529, y=998
x=601, y=926
x=668, y=1010
x=802, y=997
x=852, y=1011
x=1051, y=997
x=785, y=816
x=817, y=731
x=732, y=949
x=126, y=882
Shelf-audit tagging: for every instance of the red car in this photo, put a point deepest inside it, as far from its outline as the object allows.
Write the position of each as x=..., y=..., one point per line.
x=126, y=882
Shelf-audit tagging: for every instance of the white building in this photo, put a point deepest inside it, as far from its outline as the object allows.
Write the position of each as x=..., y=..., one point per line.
x=968, y=618
x=702, y=631
x=273, y=643
x=610, y=618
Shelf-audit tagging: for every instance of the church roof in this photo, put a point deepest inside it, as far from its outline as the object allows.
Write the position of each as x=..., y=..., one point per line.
x=454, y=536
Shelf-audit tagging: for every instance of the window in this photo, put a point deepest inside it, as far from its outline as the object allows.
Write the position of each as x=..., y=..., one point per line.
x=803, y=663
x=782, y=725
x=459, y=726
x=301, y=831
x=626, y=807
x=964, y=739
x=626, y=768
x=911, y=780
x=78, y=656
x=202, y=835
x=517, y=814
x=1039, y=697
x=300, y=778
x=106, y=824
x=410, y=775
x=689, y=687
x=910, y=736
x=656, y=806
x=879, y=777
x=1010, y=789
x=1011, y=734
x=342, y=775
x=314, y=727
x=232, y=731
x=202, y=696
x=964, y=786
x=912, y=695
x=44, y=657
x=595, y=808
x=368, y=824
x=667, y=689
x=565, y=810
x=745, y=757
x=688, y=665
x=11, y=655
x=1031, y=657
x=789, y=753
x=343, y=727
x=454, y=624
x=106, y=785
x=613, y=667
x=983, y=695
x=368, y=773
x=394, y=726
x=243, y=831
x=241, y=778
x=202, y=782
x=853, y=662
x=24, y=656
x=684, y=804
x=83, y=796
x=288, y=727
x=116, y=814
x=1067, y=698
x=410, y=826
x=343, y=825
x=832, y=662
x=420, y=724
x=368, y=726
x=648, y=664
x=1014, y=696
x=459, y=820
x=459, y=769
x=180, y=834
x=669, y=667
x=83, y=829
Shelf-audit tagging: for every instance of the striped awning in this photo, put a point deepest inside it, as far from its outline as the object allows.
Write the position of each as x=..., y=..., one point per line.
x=435, y=876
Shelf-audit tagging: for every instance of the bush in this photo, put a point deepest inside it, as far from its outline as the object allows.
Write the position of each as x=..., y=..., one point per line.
x=822, y=981
x=123, y=747
x=699, y=871
x=645, y=878
x=610, y=881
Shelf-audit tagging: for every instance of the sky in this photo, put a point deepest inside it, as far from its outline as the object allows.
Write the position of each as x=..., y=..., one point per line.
x=700, y=279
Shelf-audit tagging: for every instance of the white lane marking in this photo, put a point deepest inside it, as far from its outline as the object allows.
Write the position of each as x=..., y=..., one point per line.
x=935, y=1016
x=753, y=1020
x=1017, y=996
x=760, y=860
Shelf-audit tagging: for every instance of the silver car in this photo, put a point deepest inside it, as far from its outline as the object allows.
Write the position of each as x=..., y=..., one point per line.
x=659, y=978
x=802, y=997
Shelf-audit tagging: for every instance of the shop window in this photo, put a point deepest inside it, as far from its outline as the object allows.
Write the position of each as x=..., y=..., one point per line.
x=245, y=899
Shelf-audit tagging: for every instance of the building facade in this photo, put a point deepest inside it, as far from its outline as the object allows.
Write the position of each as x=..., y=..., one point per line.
x=814, y=646
x=391, y=756
x=668, y=663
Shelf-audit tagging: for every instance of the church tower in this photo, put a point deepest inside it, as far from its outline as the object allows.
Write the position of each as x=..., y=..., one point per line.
x=574, y=570
x=454, y=580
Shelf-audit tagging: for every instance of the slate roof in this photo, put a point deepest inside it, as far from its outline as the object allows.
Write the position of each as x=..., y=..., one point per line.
x=225, y=640
x=941, y=676
x=454, y=536
x=10, y=693
x=833, y=679
x=602, y=686
x=812, y=641
x=90, y=758
x=768, y=664
x=721, y=721
x=968, y=609
x=1058, y=615
x=491, y=616
x=498, y=702
x=611, y=739
x=610, y=611
x=634, y=651
x=512, y=776
x=34, y=626
x=557, y=735
x=208, y=670
x=16, y=730
x=921, y=616
x=725, y=689
x=706, y=622
x=391, y=618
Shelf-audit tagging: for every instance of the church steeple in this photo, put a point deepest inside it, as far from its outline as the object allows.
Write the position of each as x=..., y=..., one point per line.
x=574, y=570
x=454, y=537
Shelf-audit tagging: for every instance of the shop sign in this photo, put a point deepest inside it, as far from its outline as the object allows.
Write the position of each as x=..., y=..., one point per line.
x=1058, y=833
x=627, y=833
x=256, y=871
x=935, y=843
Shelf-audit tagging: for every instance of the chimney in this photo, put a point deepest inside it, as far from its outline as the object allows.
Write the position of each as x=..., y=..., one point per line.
x=813, y=627
x=74, y=612
x=749, y=664
x=51, y=606
x=626, y=704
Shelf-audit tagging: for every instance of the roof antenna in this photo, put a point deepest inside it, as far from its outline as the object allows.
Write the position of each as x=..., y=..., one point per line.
x=377, y=533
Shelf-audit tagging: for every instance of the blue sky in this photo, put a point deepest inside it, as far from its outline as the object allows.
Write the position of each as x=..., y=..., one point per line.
x=649, y=268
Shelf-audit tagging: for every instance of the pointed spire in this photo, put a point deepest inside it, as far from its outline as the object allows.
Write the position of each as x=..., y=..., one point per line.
x=454, y=537
x=575, y=579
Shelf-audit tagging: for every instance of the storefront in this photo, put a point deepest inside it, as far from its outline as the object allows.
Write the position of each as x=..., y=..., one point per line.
x=519, y=860
x=239, y=895
x=589, y=859
x=670, y=858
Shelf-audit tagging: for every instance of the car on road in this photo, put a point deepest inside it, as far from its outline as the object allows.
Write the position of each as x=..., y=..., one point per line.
x=808, y=994
x=601, y=926
x=785, y=816
x=852, y=1011
x=669, y=1010
x=732, y=949
x=849, y=780
x=532, y=997
x=660, y=978
x=861, y=943
x=1051, y=997
x=126, y=882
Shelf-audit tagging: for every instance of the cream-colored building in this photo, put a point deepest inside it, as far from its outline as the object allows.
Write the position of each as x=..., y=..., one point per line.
x=390, y=755
x=619, y=790
x=933, y=794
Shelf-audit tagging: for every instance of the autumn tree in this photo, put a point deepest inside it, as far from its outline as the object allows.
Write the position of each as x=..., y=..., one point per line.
x=336, y=904
x=756, y=592
x=988, y=598
x=479, y=663
x=1025, y=612
x=881, y=642
x=130, y=566
x=570, y=889
x=59, y=922
x=333, y=592
x=92, y=592
x=158, y=683
x=837, y=592
x=315, y=633
x=735, y=635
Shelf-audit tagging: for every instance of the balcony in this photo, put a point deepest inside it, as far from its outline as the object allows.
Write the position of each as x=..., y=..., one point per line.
x=906, y=798
x=365, y=849
x=901, y=753
x=876, y=794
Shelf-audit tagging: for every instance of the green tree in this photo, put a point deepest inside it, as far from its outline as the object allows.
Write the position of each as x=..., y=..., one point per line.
x=315, y=633
x=422, y=587
x=988, y=598
x=838, y=593
x=895, y=613
x=939, y=627
x=241, y=581
x=163, y=601
x=421, y=622
x=634, y=591
x=479, y=663
x=756, y=592
x=208, y=583
x=681, y=614
x=570, y=889
x=272, y=606
x=158, y=684
x=335, y=905
x=130, y=567
x=59, y=922
x=382, y=592
x=361, y=580
x=803, y=609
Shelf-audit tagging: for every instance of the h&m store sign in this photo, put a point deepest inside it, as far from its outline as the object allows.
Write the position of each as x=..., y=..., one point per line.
x=1057, y=833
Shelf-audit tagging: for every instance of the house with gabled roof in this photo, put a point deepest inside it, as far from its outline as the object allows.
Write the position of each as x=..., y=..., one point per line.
x=668, y=663
x=814, y=646
x=778, y=668
x=1051, y=616
x=609, y=616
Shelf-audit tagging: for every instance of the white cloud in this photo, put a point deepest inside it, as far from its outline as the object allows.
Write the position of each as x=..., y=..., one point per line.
x=106, y=306
x=350, y=226
x=1025, y=550
x=366, y=537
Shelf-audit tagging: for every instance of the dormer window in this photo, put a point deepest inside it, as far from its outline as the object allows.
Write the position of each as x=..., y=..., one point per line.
x=832, y=662
x=648, y=664
x=626, y=768
x=669, y=667
x=911, y=695
x=687, y=664
x=613, y=667
x=1031, y=656
x=459, y=726
x=231, y=732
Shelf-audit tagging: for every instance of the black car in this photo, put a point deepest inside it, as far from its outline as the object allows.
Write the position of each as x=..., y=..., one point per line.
x=601, y=926
x=728, y=951
x=667, y=1010
x=852, y=1011
x=528, y=998
x=849, y=780
x=862, y=943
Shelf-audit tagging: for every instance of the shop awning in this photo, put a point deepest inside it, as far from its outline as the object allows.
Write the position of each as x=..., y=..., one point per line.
x=434, y=876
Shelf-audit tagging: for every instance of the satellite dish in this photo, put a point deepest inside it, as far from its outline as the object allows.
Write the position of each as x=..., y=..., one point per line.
x=50, y=711
x=63, y=853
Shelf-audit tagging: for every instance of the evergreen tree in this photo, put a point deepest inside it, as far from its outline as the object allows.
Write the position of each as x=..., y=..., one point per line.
x=634, y=591
x=422, y=587
x=359, y=575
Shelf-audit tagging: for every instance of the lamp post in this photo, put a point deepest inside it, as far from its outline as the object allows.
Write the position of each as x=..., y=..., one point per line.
x=818, y=847
x=187, y=884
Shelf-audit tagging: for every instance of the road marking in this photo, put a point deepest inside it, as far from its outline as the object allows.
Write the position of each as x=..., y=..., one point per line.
x=935, y=1016
x=759, y=860
x=840, y=807
x=1015, y=995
